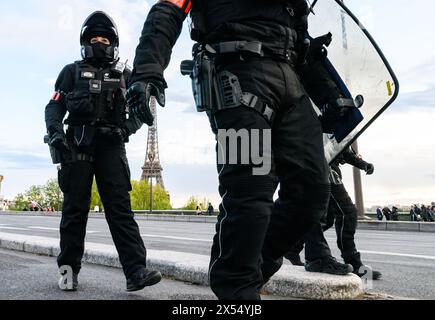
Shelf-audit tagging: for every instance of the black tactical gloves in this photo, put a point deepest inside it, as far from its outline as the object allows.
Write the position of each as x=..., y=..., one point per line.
x=58, y=141
x=333, y=112
x=138, y=99
x=370, y=169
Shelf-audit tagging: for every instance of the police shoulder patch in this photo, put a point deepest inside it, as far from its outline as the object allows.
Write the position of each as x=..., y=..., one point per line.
x=56, y=96
x=185, y=5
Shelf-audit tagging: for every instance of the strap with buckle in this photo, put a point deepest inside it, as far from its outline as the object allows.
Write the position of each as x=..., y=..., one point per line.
x=250, y=100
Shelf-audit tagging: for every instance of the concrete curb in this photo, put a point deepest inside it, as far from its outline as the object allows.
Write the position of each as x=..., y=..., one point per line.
x=291, y=281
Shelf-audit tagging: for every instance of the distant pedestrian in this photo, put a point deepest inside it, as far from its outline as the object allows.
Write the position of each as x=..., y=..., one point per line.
x=424, y=213
x=430, y=214
x=198, y=211
x=387, y=213
x=210, y=209
x=395, y=214
x=412, y=213
x=379, y=214
x=417, y=213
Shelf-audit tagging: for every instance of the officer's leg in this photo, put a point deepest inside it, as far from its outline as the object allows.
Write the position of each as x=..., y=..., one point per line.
x=113, y=180
x=247, y=202
x=294, y=254
x=302, y=171
x=328, y=220
x=75, y=180
x=316, y=246
x=345, y=223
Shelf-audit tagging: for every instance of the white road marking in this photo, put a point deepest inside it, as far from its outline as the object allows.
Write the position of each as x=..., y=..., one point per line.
x=399, y=254
x=56, y=229
x=175, y=238
x=12, y=228
x=44, y=228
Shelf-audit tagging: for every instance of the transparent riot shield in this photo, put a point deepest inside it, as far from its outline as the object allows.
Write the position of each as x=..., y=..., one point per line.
x=360, y=65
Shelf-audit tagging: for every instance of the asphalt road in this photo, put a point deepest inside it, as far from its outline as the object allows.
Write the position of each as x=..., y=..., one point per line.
x=25, y=276
x=406, y=259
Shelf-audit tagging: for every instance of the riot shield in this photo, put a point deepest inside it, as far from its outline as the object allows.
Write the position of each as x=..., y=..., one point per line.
x=359, y=65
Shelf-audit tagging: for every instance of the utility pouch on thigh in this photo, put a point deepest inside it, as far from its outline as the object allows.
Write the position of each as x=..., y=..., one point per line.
x=231, y=95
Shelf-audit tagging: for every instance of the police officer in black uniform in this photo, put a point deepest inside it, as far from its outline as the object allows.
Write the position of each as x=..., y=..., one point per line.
x=258, y=81
x=92, y=91
x=344, y=213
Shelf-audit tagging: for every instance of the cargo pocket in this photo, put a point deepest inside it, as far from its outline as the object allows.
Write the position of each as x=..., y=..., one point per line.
x=127, y=172
x=79, y=102
x=63, y=177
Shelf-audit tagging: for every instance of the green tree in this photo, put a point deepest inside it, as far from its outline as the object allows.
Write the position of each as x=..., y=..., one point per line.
x=95, y=197
x=194, y=202
x=50, y=195
x=36, y=193
x=53, y=196
x=20, y=203
x=161, y=198
x=191, y=204
x=140, y=197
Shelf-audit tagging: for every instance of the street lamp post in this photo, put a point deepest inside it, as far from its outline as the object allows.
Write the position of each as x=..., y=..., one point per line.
x=151, y=196
x=1, y=180
x=151, y=157
x=359, y=199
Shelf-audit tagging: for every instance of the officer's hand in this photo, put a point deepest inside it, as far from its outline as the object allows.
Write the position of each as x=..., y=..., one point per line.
x=370, y=169
x=58, y=141
x=138, y=99
x=120, y=134
x=331, y=114
x=113, y=134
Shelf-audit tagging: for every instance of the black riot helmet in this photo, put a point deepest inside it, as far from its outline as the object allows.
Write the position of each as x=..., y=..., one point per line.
x=99, y=24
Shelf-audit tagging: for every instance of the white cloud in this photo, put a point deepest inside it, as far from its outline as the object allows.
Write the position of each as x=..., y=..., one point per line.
x=52, y=31
x=401, y=145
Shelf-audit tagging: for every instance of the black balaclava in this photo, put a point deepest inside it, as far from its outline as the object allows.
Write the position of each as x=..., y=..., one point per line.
x=100, y=51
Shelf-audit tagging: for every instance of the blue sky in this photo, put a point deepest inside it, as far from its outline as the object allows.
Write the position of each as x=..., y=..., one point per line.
x=38, y=37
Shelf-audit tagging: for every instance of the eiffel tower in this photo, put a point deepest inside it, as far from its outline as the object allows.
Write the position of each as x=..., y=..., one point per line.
x=152, y=167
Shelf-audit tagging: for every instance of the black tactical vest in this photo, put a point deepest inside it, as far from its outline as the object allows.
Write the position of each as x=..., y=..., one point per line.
x=251, y=20
x=98, y=97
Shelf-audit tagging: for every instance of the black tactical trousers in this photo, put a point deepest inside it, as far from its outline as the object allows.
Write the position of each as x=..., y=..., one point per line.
x=112, y=173
x=343, y=212
x=346, y=221
x=253, y=233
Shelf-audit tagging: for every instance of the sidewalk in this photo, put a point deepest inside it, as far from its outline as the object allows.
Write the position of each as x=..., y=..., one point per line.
x=290, y=282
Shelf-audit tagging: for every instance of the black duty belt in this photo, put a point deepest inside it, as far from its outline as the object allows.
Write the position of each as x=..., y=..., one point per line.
x=254, y=47
x=239, y=46
x=84, y=157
